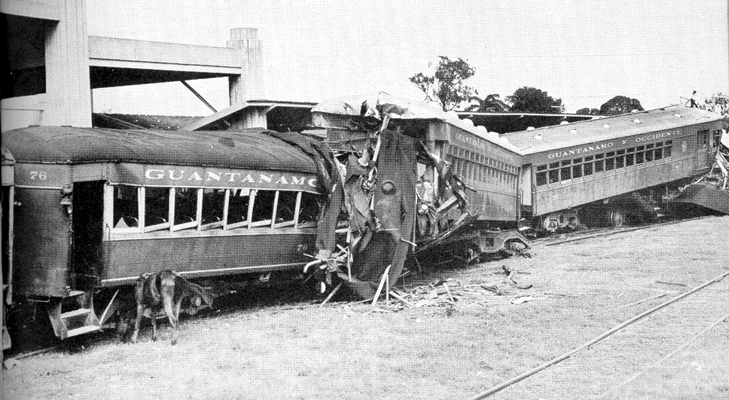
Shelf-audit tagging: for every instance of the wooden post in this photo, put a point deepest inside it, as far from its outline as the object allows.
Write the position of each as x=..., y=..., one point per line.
x=385, y=278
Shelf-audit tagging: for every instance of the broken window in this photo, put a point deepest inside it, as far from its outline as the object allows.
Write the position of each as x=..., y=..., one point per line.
x=308, y=211
x=126, y=207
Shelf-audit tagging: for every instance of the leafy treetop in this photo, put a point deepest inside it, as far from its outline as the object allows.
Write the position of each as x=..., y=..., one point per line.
x=446, y=85
x=620, y=105
x=529, y=99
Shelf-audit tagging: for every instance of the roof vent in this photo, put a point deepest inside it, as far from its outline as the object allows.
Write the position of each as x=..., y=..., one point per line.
x=564, y=122
x=538, y=136
x=677, y=115
x=573, y=131
x=531, y=128
x=606, y=126
x=637, y=121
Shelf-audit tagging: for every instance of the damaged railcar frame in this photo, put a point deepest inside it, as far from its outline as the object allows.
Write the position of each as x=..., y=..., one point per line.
x=415, y=181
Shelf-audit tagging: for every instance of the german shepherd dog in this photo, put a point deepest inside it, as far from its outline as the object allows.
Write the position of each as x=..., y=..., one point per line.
x=165, y=290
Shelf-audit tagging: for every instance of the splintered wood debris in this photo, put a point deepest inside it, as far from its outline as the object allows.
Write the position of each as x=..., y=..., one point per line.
x=451, y=293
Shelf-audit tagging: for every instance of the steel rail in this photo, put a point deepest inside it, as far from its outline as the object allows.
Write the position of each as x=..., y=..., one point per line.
x=666, y=357
x=604, y=335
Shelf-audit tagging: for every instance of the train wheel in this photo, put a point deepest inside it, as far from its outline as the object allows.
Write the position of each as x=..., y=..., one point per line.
x=617, y=218
x=550, y=224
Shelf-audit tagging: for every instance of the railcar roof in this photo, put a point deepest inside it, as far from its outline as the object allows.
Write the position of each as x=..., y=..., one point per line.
x=577, y=133
x=246, y=149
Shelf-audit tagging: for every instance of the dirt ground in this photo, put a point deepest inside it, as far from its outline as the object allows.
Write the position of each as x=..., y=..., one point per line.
x=444, y=346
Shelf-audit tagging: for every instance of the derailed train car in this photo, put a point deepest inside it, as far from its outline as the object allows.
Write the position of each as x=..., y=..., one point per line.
x=94, y=208
x=615, y=169
x=417, y=181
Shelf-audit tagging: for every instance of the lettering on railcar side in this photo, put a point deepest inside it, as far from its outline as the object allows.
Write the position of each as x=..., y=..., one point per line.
x=38, y=175
x=607, y=145
x=231, y=177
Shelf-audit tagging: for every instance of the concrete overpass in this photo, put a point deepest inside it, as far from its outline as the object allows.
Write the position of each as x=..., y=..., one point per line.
x=52, y=64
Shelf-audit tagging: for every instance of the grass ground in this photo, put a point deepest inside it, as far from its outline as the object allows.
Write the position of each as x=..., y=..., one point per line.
x=346, y=350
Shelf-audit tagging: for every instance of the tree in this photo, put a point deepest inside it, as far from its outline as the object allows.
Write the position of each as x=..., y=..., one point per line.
x=446, y=86
x=529, y=99
x=490, y=103
x=620, y=105
x=588, y=111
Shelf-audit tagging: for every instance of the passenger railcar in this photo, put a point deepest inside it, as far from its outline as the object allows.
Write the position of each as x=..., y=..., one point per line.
x=95, y=208
x=612, y=168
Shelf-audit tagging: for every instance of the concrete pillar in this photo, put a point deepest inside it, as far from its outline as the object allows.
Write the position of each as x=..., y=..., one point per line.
x=249, y=84
x=68, y=85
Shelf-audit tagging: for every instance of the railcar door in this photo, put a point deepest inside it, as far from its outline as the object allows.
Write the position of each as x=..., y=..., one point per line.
x=88, y=230
x=703, y=153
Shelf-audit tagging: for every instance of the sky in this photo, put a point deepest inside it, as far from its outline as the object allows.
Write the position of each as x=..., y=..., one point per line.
x=583, y=52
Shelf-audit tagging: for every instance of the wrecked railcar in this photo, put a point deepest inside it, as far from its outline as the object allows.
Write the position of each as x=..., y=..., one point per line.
x=711, y=190
x=415, y=181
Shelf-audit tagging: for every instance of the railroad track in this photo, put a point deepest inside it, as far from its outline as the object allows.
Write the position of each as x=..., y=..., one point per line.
x=640, y=356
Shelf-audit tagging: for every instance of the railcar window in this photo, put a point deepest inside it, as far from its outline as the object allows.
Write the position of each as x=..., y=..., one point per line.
x=286, y=209
x=577, y=168
x=186, y=215
x=553, y=176
x=649, y=152
x=620, y=159
x=702, y=138
x=156, y=208
x=639, y=154
x=566, y=172
x=541, y=178
x=610, y=161
x=587, y=168
x=308, y=211
x=213, y=208
x=238, y=201
x=659, y=151
x=262, y=208
x=599, y=162
x=126, y=207
x=630, y=157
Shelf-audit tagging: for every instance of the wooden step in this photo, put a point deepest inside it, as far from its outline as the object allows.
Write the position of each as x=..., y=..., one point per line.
x=76, y=313
x=82, y=330
x=74, y=293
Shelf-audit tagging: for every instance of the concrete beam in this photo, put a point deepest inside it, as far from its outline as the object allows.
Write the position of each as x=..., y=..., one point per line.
x=48, y=9
x=109, y=52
